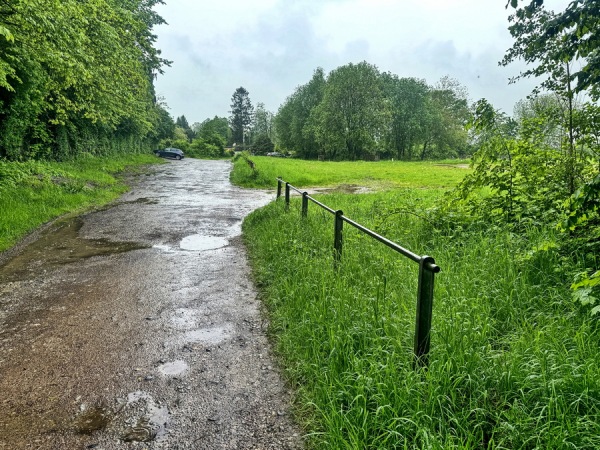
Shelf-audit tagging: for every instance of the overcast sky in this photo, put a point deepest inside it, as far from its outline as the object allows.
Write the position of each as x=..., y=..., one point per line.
x=271, y=46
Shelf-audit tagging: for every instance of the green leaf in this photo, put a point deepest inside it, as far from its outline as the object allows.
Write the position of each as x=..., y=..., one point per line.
x=7, y=34
x=584, y=296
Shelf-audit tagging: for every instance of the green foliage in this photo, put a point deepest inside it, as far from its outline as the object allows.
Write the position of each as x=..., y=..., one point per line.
x=76, y=68
x=262, y=144
x=359, y=113
x=241, y=115
x=262, y=124
x=350, y=119
x=292, y=122
x=408, y=97
x=552, y=39
x=200, y=148
x=213, y=129
x=586, y=290
x=516, y=180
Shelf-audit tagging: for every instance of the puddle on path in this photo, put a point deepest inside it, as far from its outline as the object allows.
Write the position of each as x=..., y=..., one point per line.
x=174, y=368
x=61, y=244
x=198, y=242
x=138, y=418
x=92, y=419
x=212, y=336
x=151, y=424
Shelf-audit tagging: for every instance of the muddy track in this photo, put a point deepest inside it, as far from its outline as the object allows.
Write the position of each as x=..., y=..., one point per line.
x=137, y=326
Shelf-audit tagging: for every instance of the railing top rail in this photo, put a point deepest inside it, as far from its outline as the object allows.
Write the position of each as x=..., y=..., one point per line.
x=391, y=244
x=295, y=189
x=413, y=256
x=322, y=205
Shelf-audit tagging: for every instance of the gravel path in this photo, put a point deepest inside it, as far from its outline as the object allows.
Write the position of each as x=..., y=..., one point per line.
x=137, y=327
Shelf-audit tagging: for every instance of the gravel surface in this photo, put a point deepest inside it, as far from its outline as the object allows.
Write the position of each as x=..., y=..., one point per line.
x=137, y=327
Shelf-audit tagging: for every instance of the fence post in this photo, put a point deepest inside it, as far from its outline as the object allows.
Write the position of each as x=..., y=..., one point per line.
x=279, y=180
x=424, y=311
x=304, y=204
x=338, y=238
x=287, y=196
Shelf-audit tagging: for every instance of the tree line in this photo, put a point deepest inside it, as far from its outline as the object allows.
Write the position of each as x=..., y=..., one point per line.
x=247, y=128
x=357, y=112
x=77, y=77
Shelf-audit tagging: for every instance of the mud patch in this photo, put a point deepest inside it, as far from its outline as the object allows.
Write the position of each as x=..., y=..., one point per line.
x=58, y=245
x=141, y=201
x=197, y=242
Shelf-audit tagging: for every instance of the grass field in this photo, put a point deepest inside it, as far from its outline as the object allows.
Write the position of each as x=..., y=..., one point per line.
x=33, y=193
x=377, y=175
x=513, y=363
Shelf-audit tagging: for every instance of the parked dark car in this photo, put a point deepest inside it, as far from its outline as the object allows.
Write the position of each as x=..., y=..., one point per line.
x=169, y=153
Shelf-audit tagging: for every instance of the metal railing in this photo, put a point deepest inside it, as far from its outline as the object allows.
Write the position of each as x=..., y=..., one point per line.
x=427, y=267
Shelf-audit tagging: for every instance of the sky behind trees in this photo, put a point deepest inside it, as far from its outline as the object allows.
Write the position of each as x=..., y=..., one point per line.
x=271, y=46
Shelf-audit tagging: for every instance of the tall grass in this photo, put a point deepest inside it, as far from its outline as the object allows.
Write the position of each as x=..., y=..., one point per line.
x=32, y=193
x=513, y=363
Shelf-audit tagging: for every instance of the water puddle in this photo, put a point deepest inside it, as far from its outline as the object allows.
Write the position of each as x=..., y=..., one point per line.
x=173, y=368
x=198, y=242
x=138, y=418
x=92, y=419
x=61, y=244
x=212, y=336
x=148, y=426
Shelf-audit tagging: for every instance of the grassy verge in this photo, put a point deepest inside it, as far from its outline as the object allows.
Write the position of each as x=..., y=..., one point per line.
x=514, y=362
x=378, y=175
x=33, y=193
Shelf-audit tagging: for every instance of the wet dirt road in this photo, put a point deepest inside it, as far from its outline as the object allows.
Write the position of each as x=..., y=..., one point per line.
x=137, y=327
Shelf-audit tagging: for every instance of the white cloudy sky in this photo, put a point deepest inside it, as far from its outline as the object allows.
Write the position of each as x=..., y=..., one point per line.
x=271, y=46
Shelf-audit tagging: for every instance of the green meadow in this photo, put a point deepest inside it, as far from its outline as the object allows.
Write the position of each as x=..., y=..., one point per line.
x=513, y=362
x=377, y=175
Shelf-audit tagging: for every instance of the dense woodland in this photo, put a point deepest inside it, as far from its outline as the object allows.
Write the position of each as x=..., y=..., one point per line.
x=77, y=77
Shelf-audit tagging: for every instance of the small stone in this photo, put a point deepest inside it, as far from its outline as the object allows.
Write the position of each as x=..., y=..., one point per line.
x=148, y=378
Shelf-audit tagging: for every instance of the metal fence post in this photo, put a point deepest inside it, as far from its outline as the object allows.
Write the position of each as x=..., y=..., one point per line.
x=424, y=311
x=287, y=196
x=304, y=204
x=338, y=238
x=279, y=180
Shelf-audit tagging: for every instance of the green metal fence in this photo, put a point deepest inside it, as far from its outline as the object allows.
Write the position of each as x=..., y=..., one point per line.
x=427, y=266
